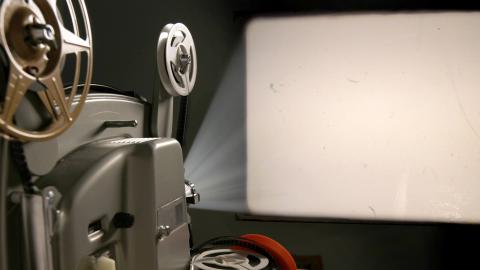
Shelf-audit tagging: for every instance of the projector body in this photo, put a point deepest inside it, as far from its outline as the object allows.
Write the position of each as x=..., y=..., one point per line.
x=107, y=194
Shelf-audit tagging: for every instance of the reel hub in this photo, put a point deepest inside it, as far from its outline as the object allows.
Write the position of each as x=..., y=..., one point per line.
x=31, y=37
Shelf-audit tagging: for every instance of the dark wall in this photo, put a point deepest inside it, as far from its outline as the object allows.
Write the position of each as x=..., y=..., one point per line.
x=125, y=41
x=126, y=33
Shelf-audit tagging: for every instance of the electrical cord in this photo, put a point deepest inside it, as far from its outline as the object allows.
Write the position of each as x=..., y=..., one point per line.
x=20, y=162
x=13, y=149
x=180, y=137
x=182, y=120
x=190, y=238
x=4, y=151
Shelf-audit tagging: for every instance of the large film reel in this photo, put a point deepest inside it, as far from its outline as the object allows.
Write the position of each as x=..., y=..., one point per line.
x=229, y=259
x=36, y=43
x=177, y=59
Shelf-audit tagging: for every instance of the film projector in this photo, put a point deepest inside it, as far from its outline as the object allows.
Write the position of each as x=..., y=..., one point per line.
x=91, y=177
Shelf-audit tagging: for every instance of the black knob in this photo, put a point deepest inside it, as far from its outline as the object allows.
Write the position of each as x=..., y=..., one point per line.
x=123, y=220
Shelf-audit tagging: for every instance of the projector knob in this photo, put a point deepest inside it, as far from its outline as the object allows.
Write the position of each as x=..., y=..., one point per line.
x=123, y=220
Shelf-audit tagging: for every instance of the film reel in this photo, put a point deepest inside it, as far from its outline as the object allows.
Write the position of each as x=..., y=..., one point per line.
x=277, y=252
x=229, y=259
x=177, y=59
x=36, y=43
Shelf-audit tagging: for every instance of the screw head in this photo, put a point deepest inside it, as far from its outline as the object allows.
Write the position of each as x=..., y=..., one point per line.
x=163, y=231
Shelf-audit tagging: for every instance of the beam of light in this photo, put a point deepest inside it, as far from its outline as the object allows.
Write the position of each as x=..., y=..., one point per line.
x=216, y=163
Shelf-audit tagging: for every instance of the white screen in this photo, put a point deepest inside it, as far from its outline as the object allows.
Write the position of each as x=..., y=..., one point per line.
x=364, y=116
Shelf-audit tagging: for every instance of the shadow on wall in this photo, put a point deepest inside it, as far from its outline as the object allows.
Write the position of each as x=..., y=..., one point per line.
x=216, y=162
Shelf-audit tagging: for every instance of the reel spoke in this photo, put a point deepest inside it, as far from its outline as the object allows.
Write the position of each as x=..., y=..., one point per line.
x=76, y=79
x=17, y=86
x=171, y=53
x=78, y=59
x=185, y=82
x=53, y=3
x=73, y=43
x=48, y=103
x=56, y=96
x=188, y=43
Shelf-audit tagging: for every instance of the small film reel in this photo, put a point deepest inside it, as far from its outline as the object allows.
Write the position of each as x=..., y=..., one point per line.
x=177, y=59
x=36, y=43
x=229, y=259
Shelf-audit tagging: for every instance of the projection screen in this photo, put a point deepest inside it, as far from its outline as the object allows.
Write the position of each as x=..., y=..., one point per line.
x=364, y=116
